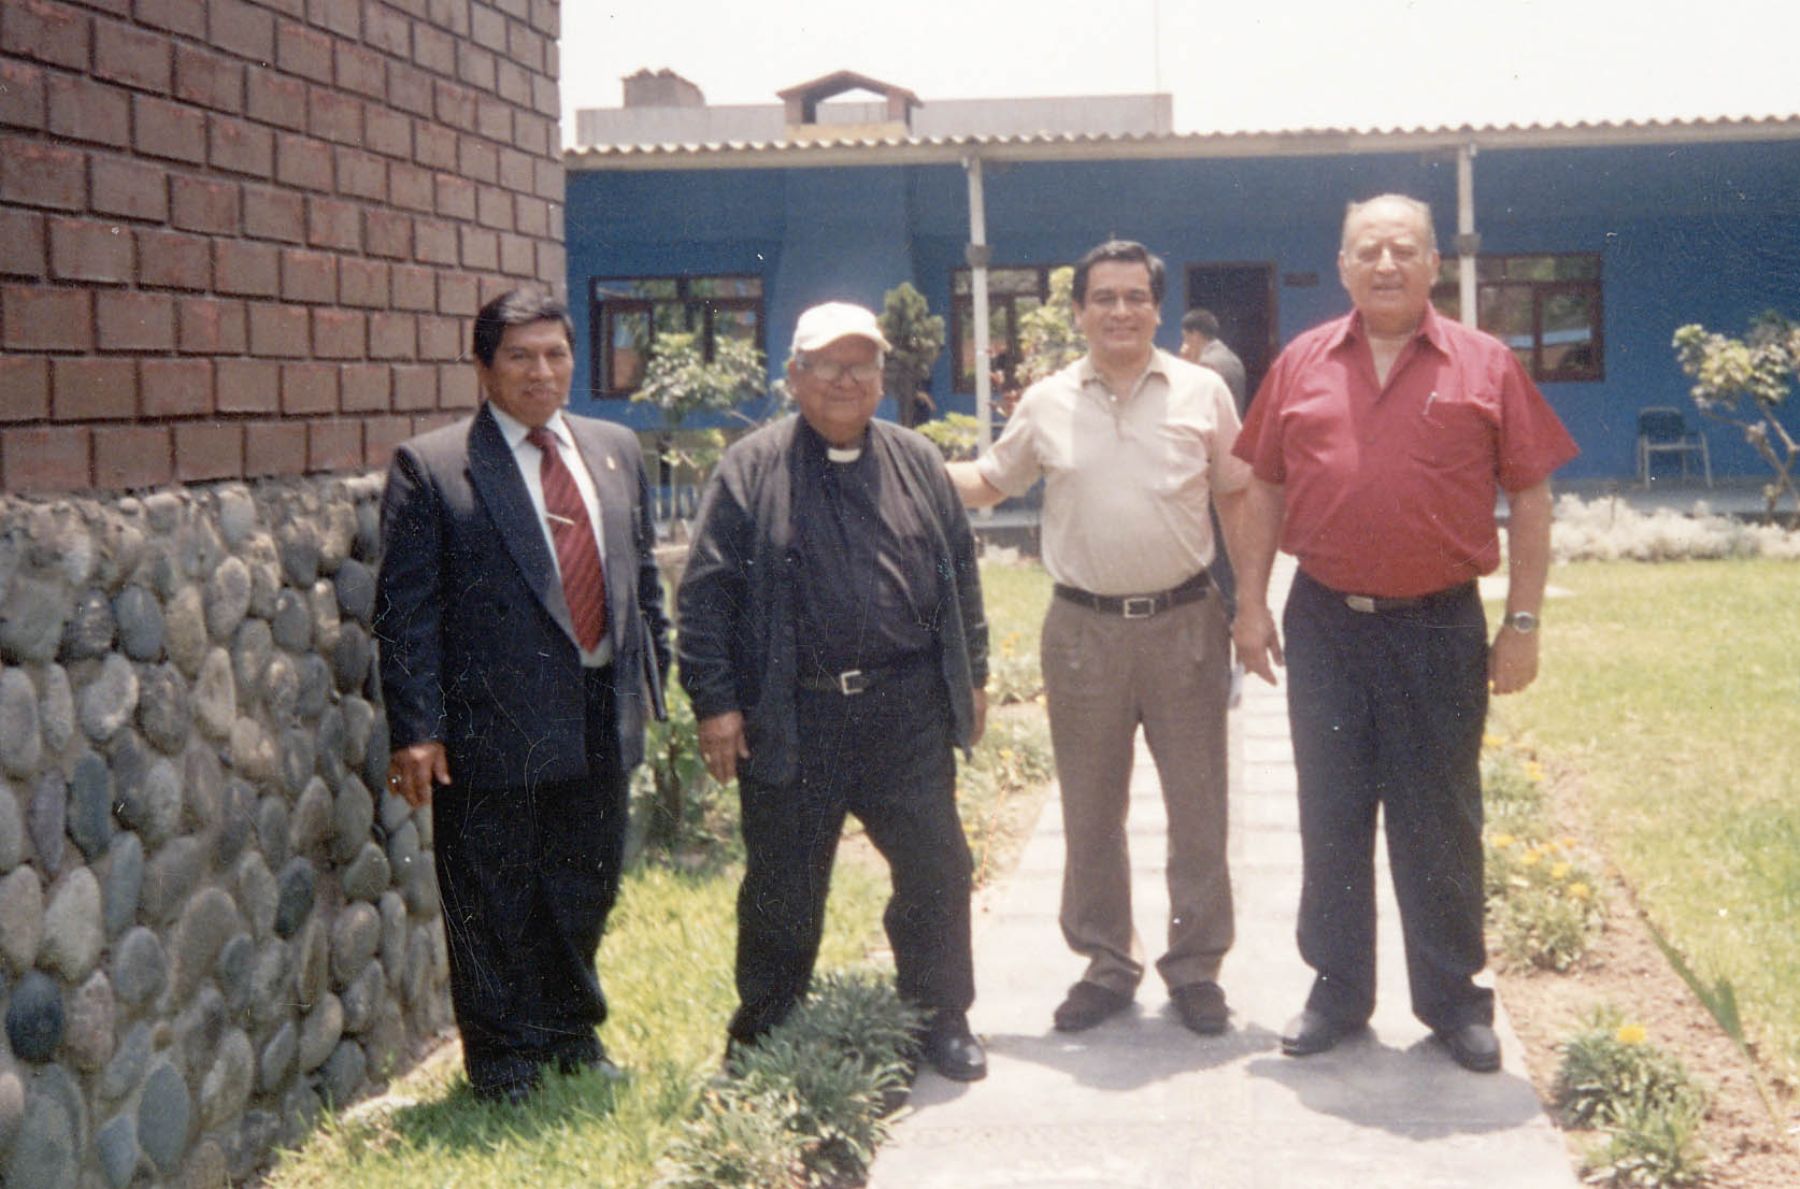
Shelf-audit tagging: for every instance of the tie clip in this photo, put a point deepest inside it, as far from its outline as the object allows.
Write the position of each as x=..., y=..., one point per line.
x=555, y=519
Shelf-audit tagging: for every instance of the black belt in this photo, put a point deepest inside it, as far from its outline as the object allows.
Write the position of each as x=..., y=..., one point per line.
x=1139, y=606
x=851, y=682
x=1373, y=605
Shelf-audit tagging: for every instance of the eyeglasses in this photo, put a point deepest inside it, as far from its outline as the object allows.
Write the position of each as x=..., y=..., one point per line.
x=830, y=371
x=1131, y=299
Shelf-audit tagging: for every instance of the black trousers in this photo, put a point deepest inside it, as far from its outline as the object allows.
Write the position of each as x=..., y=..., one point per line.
x=886, y=756
x=1388, y=711
x=528, y=876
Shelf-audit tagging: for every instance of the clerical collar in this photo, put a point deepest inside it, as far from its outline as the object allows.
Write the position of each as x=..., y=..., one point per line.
x=843, y=454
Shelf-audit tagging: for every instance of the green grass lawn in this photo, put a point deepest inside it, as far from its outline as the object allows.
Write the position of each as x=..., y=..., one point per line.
x=1670, y=695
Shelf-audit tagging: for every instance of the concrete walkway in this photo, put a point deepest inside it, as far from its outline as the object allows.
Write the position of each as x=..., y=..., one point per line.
x=1141, y=1102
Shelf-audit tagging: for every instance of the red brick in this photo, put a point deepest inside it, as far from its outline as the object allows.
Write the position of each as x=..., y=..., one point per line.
x=363, y=283
x=550, y=180
x=134, y=321
x=274, y=448
x=202, y=204
x=81, y=250
x=242, y=29
x=208, y=450
x=477, y=160
x=174, y=261
x=276, y=99
x=456, y=386
x=411, y=187
x=303, y=162
x=546, y=17
x=24, y=387
x=21, y=95
x=211, y=326
x=186, y=17
x=393, y=336
x=409, y=90
x=339, y=334
x=360, y=70
x=304, y=52
x=366, y=387
x=455, y=197
x=494, y=119
x=415, y=386
x=247, y=386
x=334, y=116
x=414, y=289
x=553, y=265
x=309, y=388
x=211, y=80
x=132, y=456
x=434, y=49
x=136, y=57
x=52, y=33
x=361, y=175
x=83, y=109
x=130, y=188
x=274, y=214
x=387, y=132
x=475, y=66
x=531, y=216
x=385, y=233
x=512, y=83
x=168, y=129
x=440, y=338
x=494, y=285
x=94, y=389
x=252, y=270
x=308, y=276
x=434, y=242
x=487, y=27
x=343, y=17
x=434, y=146
x=333, y=224
x=544, y=97
x=279, y=331
x=47, y=319
x=21, y=243
x=457, y=295
x=493, y=208
x=33, y=173
x=381, y=435
x=454, y=105
x=238, y=146
x=515, y=171
x=49, y=458
x=518, y=256
x=534, y=134
x=480, y=249
x=386, y=29
x=333, y=445
x=176, y=388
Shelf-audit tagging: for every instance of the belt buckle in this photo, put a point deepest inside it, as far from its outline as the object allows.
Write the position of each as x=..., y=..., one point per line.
x=1138, y=606
x=851, y=682
x=1362, y=603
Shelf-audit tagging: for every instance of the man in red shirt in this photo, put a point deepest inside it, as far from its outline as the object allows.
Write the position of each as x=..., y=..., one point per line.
x=1379, y=442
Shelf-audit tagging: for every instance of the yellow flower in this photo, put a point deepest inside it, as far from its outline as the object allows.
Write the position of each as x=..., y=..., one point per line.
x=1567, y=841
x=1631, y=1034
x=1579, y=891
x=1502, y=841
x=1534, y=772
x=1491, y=741
x=1531, y=858
x=1559, y=872
x=1006, y=755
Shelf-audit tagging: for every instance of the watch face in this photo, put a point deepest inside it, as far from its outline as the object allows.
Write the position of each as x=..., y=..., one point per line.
x=1522, y=621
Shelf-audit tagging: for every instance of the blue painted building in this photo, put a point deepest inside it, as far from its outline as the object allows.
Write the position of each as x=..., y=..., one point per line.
x=1594, y=242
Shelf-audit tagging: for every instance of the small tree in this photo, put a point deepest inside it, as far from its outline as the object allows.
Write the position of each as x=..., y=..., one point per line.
x=915, y=339
x=680, y=381
x=1743, y=382
x=1048, y=339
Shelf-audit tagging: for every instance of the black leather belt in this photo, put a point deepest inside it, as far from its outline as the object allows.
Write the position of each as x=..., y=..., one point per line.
x=1139, y=606
x=851, y=682
x=1371, y=605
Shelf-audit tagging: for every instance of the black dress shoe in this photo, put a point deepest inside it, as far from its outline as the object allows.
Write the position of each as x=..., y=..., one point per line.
x=516, y=1092
x=1474, y=1046
x=1087, y=1005
x=952, y=1049
x=1313, y=1032
x=1201, y=1007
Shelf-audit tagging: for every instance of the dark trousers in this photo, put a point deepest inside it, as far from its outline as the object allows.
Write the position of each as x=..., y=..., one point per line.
x=886, y=756
x=1387, y=710
x=528, y=876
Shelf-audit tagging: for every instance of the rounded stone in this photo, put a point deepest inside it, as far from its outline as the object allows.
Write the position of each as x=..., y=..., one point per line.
x=315, y=686
x=281, y=687
x=393, y=935
x=312, y=955
x=88, y=1038
x=197, y=1032
x=298, y=546
x=252, y=752
x=237, y=516
x=355, y=936
x=184, y=629
x=272, y=829
x=237, y=961
x=140, y=969
x=325, y=618
x=292, y=622
x=337, y=535
x=21, y=739
x=252, y=650
x=320, y=1033
x=12, y=1104
x=343, y=1073
x=34, y=1017
x=215, y=695
x=73, y=933
x=124, y=881
x=165, y=711
x=257, y=893
x=227, y=598
x=331, y=746
x=363, y=998
x=109, y=700
x=164, y=1114
x=353, y=815
x=300, y=1108
x=375, y=758
x=170, y=877
x=140, y=623
x=277, y=1059
x=130, y=1060
x=31, y=621
x=21, y=918
x=208, y=921
x=153, y=806
x=12, y=829
x=56, y=709
x=117, y=1146
x=270, y=978
x=47, y=819
x=294, y=902
x=90, y=627
x=368, y=530
x=236, y=821
x=311, y=825
x=265, y=577
x=359, y=724
x=251, y=1144
x=297, y=759
x=355, y=584
x=226, y=1087
x=205, y=800
x=350, y=659
x=46, y=1155
x=90, y=805
x=368, y=875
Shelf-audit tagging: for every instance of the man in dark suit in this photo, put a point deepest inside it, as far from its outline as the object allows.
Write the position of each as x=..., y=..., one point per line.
x=523, y=644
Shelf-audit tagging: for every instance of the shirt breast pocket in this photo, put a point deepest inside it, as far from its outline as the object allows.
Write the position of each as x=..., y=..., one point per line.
x=1453, y=435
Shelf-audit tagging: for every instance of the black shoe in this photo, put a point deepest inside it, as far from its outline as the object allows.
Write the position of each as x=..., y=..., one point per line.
x=1474, y=1046
x=579, y=1059
x=1311, y=1032
x=516, y=1092
x=1201, y=1007
x=1087, y=1005
x=952, y=1049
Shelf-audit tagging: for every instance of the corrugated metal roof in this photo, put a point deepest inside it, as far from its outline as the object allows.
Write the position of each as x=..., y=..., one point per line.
x=1051, y=146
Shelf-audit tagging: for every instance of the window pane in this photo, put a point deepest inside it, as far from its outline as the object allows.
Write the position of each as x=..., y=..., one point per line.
x=1448, y=300
x=674, y=317
x=1569, y=325
x=634, y=287
x=1531, y=268
x=735, y=322
x=724, y=287
x=1016, y=280
x=1505, y=312
x=627, y=348
x=1579, y=267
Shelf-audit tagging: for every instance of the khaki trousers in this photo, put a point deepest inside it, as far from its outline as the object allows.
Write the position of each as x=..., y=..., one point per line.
x=1104, y=676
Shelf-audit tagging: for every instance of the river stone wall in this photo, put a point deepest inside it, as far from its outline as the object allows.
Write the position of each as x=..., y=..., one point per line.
x=213, y=920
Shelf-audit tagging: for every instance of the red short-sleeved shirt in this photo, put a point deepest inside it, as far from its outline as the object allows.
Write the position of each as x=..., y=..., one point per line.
x=1390, y=491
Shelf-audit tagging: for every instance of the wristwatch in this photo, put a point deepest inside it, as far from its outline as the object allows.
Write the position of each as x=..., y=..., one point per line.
x=1522, y=622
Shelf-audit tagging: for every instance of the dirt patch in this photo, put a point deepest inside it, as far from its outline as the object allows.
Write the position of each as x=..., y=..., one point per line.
x=1625, y=969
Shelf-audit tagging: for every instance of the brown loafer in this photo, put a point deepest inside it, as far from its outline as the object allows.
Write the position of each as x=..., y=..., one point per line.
x=1087, y=1005
x=1201, y=1007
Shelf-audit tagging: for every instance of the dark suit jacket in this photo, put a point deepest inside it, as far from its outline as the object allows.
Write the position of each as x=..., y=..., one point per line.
x=477, y=648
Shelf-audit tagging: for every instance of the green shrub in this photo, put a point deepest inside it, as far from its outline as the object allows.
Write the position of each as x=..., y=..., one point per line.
x=1543, y=900
x=1650, y=1146
x=737, y=1139
x=1610, y=1071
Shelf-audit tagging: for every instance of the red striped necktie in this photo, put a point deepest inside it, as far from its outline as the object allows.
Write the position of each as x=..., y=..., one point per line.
x=577, y=556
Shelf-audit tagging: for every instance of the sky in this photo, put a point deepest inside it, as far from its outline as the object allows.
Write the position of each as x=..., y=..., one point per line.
x=1230, y=67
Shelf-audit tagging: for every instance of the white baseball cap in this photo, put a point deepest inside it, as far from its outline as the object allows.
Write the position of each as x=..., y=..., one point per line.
x=825, y=324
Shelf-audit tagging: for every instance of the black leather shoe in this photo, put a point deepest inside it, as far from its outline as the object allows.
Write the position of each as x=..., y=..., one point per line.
x=1201, y=1007
x=1474, y=1046
x=952, y=1049
x=516, y=1092
x=1312, y=1032
x=1087, y=1005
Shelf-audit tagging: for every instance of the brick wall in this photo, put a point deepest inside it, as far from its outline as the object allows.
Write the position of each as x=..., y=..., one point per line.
x=244, y=239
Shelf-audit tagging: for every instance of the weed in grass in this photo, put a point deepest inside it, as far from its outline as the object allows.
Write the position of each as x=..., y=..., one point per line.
x=1611, y=1070
x=1648, y=1147
x=1540, y=891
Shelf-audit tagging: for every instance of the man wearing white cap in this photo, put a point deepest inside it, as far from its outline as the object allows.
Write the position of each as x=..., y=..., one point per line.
x=834, y=647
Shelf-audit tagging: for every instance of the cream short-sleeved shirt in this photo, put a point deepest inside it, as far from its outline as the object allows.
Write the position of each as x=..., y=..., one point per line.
x=1127, y=481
